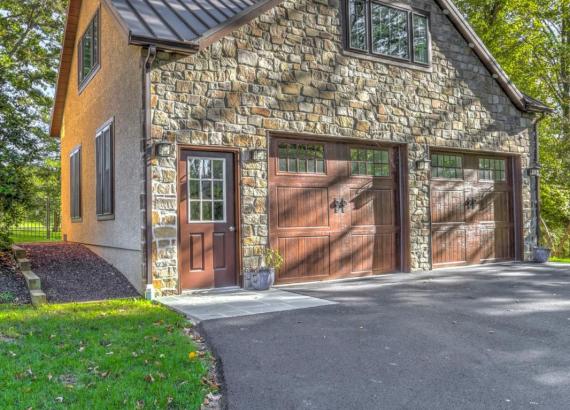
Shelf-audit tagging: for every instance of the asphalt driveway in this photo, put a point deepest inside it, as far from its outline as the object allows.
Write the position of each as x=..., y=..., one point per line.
x=479, y=338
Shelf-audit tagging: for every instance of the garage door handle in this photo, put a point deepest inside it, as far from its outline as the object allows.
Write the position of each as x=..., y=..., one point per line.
x=232, y=228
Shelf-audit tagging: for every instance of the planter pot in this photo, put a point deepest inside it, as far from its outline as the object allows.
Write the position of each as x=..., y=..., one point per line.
x=541, y=255
x=263, y=279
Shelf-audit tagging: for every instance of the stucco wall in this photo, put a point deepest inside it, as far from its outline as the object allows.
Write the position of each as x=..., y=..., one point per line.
x=286, y=71
x=115, y=91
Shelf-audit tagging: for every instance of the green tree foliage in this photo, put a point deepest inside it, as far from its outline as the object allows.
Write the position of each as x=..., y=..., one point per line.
x=531, y=41
x=30, y=33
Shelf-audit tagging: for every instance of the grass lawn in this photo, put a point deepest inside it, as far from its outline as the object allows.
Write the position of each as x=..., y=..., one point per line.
x=122, y=354
x=35, y=236
x=563, y=260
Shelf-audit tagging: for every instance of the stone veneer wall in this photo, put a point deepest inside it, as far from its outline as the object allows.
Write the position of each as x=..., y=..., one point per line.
x=286, y=71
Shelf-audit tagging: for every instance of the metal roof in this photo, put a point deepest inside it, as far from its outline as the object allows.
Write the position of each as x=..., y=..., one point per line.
x=177, y=21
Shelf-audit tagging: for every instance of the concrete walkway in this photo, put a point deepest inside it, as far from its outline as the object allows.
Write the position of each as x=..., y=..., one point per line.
x=493, y=337
x=219, y=304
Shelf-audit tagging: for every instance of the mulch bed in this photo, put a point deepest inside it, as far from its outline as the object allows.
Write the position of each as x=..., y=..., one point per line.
x=12, y=283
x=72, y=273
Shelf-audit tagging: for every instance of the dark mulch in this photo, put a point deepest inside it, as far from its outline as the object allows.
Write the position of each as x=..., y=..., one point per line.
x=72, y=273
x=13, y=287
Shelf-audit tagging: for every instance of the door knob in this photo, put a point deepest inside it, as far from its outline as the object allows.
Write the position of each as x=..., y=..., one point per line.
x=232, y=228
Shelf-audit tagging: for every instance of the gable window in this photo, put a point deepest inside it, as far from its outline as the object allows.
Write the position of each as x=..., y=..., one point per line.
x=75, y=184
x=104, y=171
x=385, y=31
x=89, y=51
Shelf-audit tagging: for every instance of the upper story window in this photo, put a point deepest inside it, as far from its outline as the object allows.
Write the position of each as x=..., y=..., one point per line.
x=385, y=31
x=88, y=59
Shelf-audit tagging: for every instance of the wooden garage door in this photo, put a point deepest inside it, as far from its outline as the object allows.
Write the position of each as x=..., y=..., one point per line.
x=471, y=209
x=333, y=210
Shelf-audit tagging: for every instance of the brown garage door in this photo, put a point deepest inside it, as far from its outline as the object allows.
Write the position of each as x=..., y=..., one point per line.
x=333, y=209
x=471, y=209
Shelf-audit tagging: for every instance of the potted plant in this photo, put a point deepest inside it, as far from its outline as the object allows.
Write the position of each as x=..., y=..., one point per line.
x=264, y=277
x=541, y=254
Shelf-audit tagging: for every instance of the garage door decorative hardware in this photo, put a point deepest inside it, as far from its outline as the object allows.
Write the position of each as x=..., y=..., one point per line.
x=339, y=205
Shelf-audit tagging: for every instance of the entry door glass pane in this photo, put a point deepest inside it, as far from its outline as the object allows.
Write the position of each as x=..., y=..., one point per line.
x=206, y=190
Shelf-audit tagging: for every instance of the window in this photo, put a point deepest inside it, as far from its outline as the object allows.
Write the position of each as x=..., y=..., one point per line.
x=420, y=24
x=75, y=184
x=104, y=170
x=304, y=158
x=89, y=51
x=390, y=31
x=206, y=189
x=370, y=162
x=492, y=169
x=447, y=166
x=387, y=31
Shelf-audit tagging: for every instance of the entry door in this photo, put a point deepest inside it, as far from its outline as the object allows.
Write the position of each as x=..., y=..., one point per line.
x=471, y=209
x=207, y=234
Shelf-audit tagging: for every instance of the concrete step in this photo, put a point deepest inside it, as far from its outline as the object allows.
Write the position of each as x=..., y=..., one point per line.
x=19, y=253
x=24, y=264
x=32, y=280
x=38, y=297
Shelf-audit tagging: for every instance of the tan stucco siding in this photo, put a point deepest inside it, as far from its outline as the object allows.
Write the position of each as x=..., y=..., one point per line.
x=114, y=92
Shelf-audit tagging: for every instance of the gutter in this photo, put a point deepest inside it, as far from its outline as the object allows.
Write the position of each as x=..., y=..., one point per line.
x=147, y=158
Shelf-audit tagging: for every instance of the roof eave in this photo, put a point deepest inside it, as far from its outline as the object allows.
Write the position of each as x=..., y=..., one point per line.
x=185, y=47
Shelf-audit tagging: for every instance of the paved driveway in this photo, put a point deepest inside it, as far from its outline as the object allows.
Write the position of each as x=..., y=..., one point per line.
x=480, y=338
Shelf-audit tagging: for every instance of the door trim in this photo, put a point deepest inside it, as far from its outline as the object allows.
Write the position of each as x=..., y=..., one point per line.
x=237, y=208
x=516, y=172
x=403, y=251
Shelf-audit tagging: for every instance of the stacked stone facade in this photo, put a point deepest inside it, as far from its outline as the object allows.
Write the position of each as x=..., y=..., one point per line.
x=287, y=71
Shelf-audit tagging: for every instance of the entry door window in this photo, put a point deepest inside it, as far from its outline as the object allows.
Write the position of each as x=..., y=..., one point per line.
x=206, y=190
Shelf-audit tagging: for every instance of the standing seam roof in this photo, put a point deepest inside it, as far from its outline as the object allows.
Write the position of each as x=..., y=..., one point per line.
x=177, y=21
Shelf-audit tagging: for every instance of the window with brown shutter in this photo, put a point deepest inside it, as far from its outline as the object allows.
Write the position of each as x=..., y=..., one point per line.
x=75, y=184
x=105, y=171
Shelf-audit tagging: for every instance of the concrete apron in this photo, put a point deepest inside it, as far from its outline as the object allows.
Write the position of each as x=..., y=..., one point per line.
x=235, y=302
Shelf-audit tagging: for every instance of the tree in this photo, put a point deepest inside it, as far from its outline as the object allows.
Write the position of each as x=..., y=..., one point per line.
x=531, y=41
x=30, y=35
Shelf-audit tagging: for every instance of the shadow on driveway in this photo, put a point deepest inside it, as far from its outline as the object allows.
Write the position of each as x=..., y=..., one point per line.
x=473, y=338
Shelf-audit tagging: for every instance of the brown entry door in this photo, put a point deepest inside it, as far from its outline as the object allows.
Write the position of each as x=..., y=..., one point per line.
x=471, y=209
x=333, y=209
x=207, y=234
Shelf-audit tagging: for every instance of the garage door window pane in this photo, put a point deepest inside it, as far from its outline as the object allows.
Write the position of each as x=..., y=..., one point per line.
x=301, y=158
x=370, y=162
x=492, y=169
x=447, y=166
x=206, y=188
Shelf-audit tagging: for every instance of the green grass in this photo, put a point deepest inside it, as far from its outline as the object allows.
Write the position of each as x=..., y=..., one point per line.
x=124, y=354
x=556, y=259
x=36, y=236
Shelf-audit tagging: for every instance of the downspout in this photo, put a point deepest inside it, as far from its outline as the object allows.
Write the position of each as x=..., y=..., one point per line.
x=536, y=179
x=147, y=159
